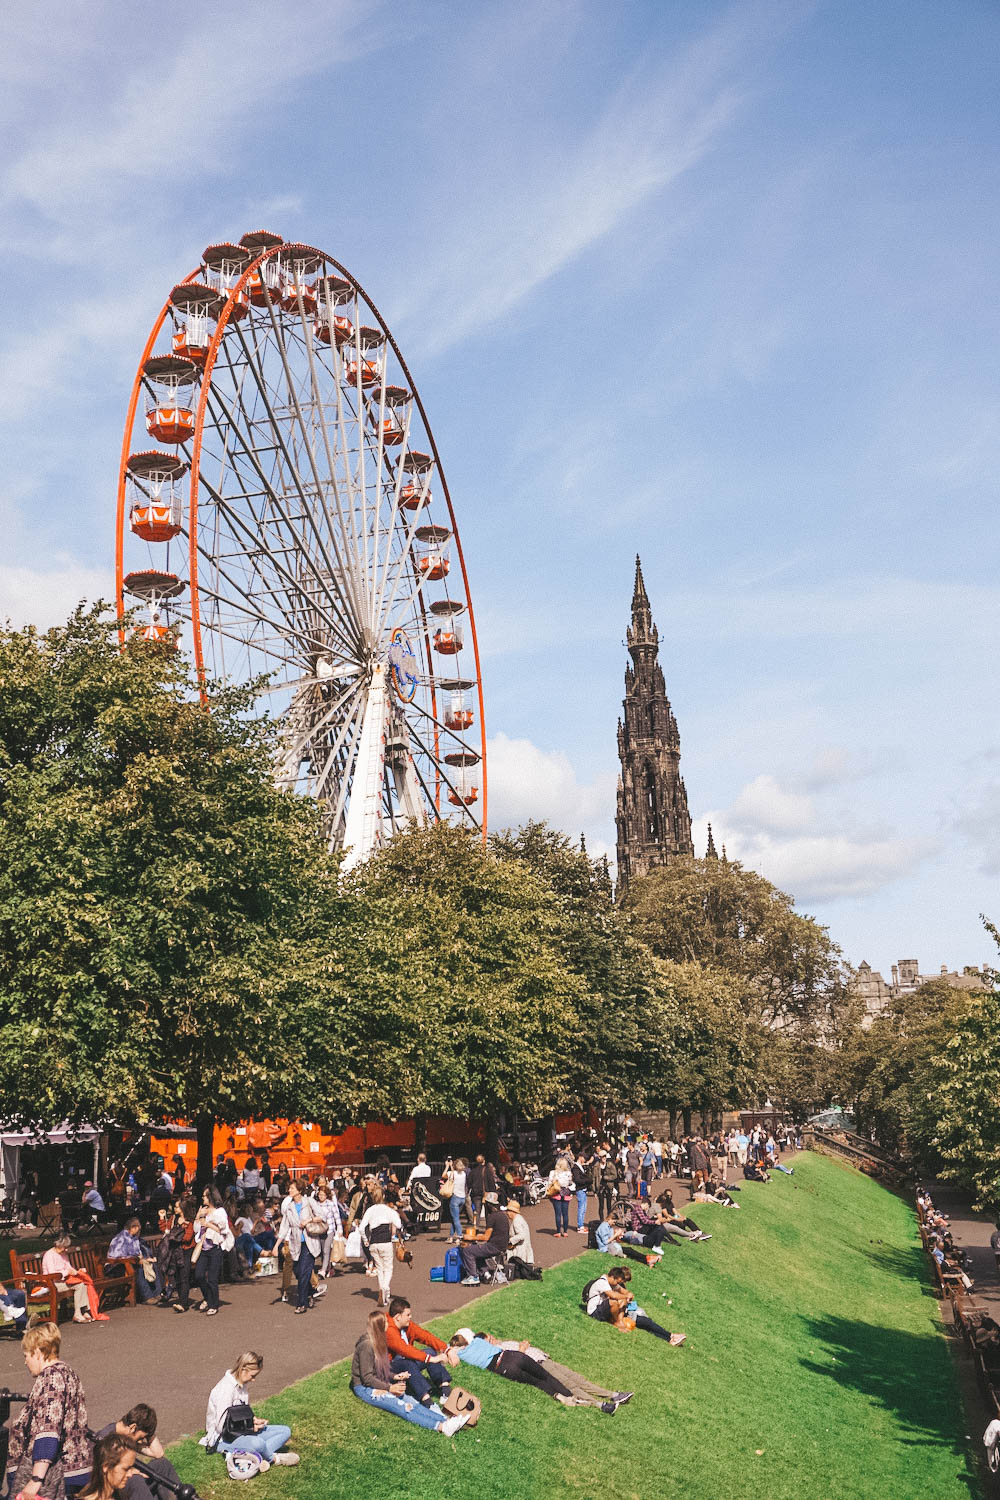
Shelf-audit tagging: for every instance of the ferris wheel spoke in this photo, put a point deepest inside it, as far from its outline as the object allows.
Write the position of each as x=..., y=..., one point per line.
x=339, y=626
x=354, y=628
x=440, y=770
x=438, y=724
x=292, y=584
x=377, y=624
x=318, y=408
x=345, y=572
x=314, y=727
x=307, y=744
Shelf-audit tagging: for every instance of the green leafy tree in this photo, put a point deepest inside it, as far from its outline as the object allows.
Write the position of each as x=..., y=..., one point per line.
x=782, y=966
x=460, y=985
x=158, y=895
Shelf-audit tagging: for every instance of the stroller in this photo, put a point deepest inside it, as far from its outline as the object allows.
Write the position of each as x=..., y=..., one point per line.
x=425, y=1205
x=534, y=1186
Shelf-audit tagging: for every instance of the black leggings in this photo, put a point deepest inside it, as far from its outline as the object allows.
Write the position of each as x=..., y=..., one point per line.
x=513, y=1365
x=603, y=1315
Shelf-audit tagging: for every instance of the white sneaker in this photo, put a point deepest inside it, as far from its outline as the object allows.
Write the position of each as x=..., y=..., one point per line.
x=289, y=1460
x=320, y=1291
x=451, y=1426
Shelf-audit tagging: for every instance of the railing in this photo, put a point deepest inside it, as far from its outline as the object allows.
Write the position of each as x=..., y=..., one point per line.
x=873, y=1162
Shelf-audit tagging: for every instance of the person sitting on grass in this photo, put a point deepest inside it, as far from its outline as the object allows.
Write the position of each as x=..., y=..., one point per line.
x=484, y=1352
x=420, y=1365
x=373, y=1382
x=714, y=1192
x=678, y=1225
x=609, y=1300
x=755, y=1171
x=138, y=1426
x=644, y=1228
x=267, y=1439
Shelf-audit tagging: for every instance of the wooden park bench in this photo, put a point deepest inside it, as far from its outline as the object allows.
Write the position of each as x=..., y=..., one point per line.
x=43, y=1291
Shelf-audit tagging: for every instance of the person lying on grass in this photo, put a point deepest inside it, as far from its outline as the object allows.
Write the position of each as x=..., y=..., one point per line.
x=774, y=1165
x=373, y=1382
x=714, y=1192
x=424, y=1368
x=609, y=1300
x=484, y=1352
x=585, y=1391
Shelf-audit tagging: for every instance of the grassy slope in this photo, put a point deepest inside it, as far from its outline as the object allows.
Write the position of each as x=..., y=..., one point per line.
x=812, y=1337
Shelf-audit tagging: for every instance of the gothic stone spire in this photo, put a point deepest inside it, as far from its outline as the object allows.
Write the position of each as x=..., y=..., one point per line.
x=654, y=824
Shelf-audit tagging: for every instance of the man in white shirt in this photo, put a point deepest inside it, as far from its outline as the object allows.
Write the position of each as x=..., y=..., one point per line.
x=420, y=1170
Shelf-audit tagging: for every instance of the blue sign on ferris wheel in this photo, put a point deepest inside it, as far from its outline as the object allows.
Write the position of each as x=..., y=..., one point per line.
x=403, y=665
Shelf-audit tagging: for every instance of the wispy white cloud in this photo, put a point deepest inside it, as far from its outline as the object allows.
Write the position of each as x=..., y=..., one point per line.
x=530, y=219
x=527, y=783
x=46, y=596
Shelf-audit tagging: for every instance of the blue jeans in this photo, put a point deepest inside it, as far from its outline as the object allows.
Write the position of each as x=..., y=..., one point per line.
x=456, y=1215
x=560, y=1207
x=581, y=1208
x=18, y=1304
x=400, y=1406
x=266, y=1442
x=422, y=1376
x=250, y=1248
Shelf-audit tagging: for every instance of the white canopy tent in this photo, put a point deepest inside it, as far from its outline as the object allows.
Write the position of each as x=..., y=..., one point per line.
x=12, y=1140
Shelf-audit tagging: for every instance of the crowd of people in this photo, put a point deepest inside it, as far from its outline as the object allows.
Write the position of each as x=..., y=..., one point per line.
x=315, y=1228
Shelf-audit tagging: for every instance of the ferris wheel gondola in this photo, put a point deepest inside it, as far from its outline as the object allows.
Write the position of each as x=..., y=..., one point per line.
x=291, y=494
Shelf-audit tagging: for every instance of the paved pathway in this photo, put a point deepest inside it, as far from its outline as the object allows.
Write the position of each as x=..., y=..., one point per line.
x=971, y=1231
x=153, y=1354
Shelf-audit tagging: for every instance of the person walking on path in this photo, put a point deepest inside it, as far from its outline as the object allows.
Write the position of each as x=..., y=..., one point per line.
x=214, y=1235
x=455, y=1177
x=605, y=1176
x=302, y=1231
x=560, y=1189
x=482, y=1180
x=380, y=1226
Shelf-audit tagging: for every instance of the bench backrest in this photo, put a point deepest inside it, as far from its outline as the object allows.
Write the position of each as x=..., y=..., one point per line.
x=85, y=1257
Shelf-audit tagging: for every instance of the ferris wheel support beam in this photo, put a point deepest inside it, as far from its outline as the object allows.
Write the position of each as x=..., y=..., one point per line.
x=338, y=623
x=298, y=746
x=345, y=572
x=363, y=832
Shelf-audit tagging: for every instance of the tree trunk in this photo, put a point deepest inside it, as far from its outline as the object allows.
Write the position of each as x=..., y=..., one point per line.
x=420, y=1132
x=686, y=1112
x=205, y=1125
x=492, y=1136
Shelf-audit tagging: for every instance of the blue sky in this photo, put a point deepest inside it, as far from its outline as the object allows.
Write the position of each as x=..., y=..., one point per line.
x=712, y=283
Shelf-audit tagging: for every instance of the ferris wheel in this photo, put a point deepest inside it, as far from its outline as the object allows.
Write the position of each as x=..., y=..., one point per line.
x=292, y=528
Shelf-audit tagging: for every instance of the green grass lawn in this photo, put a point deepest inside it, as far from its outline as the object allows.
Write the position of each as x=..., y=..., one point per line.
x=814, y=1369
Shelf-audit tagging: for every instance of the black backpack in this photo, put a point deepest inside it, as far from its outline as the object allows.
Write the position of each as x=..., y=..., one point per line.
x=523, y=1270
x=592, y=1237
x=236, y=1423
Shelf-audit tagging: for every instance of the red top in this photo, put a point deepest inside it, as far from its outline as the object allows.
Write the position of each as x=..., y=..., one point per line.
x=403, y=1340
